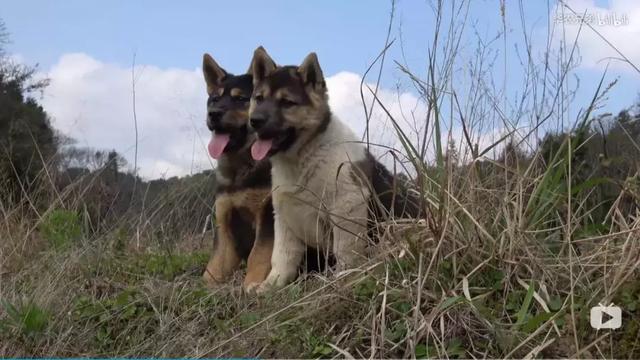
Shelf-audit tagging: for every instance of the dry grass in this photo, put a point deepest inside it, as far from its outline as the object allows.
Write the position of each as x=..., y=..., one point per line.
x=477, y=281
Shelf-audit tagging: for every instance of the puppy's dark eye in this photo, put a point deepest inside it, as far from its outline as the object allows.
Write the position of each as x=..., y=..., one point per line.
x=287, y=103
x=240, y=98
x=259, y=98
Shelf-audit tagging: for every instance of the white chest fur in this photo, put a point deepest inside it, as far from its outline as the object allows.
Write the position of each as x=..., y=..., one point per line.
x=310, y=186
x=318, y=202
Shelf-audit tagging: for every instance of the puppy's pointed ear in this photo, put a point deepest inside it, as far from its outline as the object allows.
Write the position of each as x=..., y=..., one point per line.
x=213, y=73
x=311, y=72
x=261, y=65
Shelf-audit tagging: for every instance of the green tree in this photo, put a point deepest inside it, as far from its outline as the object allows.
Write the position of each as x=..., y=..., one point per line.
x=27, y=140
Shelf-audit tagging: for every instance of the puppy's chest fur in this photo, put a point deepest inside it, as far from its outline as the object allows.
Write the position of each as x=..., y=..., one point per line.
x=243, y=192
x=239, y=172
x=318, y=181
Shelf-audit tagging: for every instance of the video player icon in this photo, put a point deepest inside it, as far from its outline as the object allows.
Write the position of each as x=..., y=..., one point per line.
x=606, y=317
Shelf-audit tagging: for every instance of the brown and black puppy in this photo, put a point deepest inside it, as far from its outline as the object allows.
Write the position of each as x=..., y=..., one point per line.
x=244, y=212
x=326, y=186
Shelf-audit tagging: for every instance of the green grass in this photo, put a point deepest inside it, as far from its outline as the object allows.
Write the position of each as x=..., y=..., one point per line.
x=133, y=267
x=61, y=228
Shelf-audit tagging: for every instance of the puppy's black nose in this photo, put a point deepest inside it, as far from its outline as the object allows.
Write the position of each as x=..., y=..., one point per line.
x=214, y=117
x=257, y=122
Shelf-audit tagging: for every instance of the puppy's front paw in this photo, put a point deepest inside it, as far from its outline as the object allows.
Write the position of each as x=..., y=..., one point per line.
x=263, y=289
x=266, y=287
x=273, y=282
x=211, y=282
x=251, y=288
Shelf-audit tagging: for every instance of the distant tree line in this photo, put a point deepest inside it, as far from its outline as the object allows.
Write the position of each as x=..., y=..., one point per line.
x=40, y=168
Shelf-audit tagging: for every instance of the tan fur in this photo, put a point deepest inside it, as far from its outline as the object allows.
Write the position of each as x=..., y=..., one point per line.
x=259, y=262
x=236, y=92
x=225, y=259
x=300, y=117
x=261, y=91
x=238, y=117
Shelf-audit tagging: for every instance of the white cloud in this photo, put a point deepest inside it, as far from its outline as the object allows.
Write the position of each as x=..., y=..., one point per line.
x=346, y=102
x=619, y=23
x=91, y=101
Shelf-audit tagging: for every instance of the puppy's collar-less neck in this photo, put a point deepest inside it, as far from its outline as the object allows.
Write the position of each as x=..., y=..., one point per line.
x=229, y=162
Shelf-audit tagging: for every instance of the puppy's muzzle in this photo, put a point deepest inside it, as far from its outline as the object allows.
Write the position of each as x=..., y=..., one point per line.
x=257, y=122
x=214, y=118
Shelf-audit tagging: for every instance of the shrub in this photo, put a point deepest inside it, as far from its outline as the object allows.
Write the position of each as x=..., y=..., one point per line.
x=27, y=319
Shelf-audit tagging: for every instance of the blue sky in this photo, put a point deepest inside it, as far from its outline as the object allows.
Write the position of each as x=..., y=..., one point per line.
x=175, y=34
x=347, y=35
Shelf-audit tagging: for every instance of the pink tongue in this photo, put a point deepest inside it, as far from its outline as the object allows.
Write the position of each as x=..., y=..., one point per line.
x=260, y=148
x=217, y=144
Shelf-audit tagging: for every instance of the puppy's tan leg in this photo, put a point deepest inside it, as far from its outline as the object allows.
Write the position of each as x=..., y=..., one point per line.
x=225, y=259
x=259, y=262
